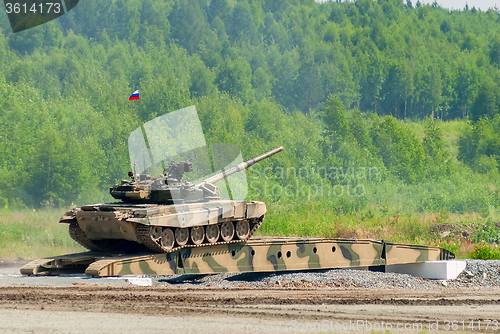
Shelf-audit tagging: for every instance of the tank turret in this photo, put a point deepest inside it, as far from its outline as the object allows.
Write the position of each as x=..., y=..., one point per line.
x=169, y=188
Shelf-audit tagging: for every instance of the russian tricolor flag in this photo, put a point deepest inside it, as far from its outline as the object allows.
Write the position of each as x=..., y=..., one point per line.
x=134, y=96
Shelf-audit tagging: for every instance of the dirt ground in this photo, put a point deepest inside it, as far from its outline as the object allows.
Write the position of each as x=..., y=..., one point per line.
x=79, y=307
x=88, y=308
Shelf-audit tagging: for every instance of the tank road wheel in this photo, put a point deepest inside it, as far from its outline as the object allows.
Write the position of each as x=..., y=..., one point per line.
x=242, y=229
x=167, y=238
x=197, y=235
x=181, y=236
x=212, y=232
x=156, y=233
x=227, y=230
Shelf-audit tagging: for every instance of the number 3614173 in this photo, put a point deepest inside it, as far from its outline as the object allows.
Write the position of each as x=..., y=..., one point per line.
x=41, y=8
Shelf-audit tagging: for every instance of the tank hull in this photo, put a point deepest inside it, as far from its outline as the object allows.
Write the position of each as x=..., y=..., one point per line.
x=161, y=227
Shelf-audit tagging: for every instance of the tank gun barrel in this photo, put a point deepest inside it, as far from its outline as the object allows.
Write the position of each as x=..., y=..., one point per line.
x=239, y=167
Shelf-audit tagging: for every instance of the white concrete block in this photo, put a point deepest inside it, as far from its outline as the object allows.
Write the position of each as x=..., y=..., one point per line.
x=442, y=270
x=135, y=280
x=140, y=281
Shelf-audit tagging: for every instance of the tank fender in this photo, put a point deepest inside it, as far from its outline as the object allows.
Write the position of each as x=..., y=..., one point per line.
x=255, y=209
x=68, y=217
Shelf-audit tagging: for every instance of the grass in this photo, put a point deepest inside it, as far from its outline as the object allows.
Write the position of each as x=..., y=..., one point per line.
x=34, y=234
x=457, y=232
x=451, y=131
x=485, y=252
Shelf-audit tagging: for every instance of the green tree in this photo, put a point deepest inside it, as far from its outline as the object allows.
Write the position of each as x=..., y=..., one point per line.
x=242, y=25
x=261, y=81
x=219, y=8
x=495, y=51
x=479, y=145
x=437, y=159
x=189, y=25
x=400, y=150
x=335, y=120
x=486, y=101
x=234, y=77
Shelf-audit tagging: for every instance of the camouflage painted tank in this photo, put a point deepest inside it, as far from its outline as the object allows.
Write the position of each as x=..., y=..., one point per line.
x=166, y=212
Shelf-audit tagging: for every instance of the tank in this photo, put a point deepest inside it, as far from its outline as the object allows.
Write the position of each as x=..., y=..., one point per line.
x=165, y=212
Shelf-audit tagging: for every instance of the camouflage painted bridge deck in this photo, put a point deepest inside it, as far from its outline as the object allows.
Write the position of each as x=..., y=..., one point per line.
x=259, y=254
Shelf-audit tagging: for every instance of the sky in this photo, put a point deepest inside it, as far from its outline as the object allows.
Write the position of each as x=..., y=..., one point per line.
x=484, y=5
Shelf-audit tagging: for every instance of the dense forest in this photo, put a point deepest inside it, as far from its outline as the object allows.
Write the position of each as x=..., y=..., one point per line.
x=357, y=93
x=384, y=56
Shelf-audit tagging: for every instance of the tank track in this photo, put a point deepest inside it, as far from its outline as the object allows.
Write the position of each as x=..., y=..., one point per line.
x=77, y=234
x=144, y=237
x=260, y=220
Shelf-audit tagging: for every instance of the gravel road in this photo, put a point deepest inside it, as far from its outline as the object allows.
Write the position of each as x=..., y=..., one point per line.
x=327, y=301
x=477, y=274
